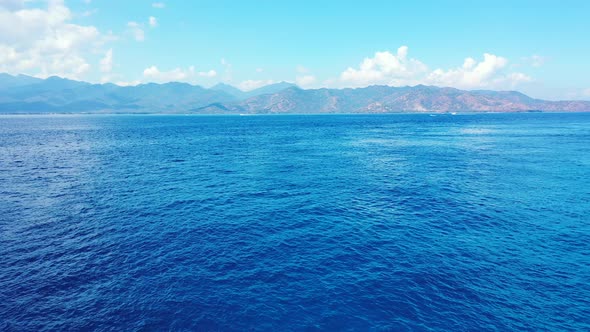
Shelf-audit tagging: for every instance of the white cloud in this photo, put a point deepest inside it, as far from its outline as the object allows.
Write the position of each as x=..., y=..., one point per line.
x=259, y=70
x=210, y=73
x=153, y=74
x=106, y=63
x=253, y=84
x=305, y=81
x=384, y=68
x=471, y=74
x=153, y=22
x=159, y=5
x=136, y=30
x=175, y=75
x=43, y=42
x=398, y=70
x=487, y=73
x=586, y=92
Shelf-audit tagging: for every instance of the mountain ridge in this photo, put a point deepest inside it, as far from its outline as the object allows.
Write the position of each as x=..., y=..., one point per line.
x=385, y=99
x=26, y=94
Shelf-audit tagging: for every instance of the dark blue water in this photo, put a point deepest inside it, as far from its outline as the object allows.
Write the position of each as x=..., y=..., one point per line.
x=277, y=223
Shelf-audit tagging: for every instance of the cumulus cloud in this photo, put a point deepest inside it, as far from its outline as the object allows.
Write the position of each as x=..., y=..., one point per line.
x=106, y=63
x=471, y=74
x=43, y=41
x=136, y=30
x=487, y=73
x=253, y=84
x=384, y=68
x=398, y=69
x=158, y=5
x=153, y=22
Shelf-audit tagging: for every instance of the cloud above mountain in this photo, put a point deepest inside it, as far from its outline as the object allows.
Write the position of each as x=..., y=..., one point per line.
x=487, y=73
x=305, y=80
x=46, y=38
x=44, y=41
x=385, y=68
x=398, y=69
x=106, y=63
x=153, y=74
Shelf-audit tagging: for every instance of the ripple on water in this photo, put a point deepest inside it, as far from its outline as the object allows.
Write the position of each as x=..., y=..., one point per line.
x=393, y=222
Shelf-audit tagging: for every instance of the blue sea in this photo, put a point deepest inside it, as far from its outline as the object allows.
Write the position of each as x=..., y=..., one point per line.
x=295, y=223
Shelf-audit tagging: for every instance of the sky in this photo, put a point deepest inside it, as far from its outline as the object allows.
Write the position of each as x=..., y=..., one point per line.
x=541, y=48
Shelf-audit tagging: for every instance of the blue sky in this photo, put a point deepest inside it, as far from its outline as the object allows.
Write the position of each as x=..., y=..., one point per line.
x=538, y=47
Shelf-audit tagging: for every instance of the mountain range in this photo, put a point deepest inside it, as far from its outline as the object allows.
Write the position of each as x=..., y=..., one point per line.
x=26, y=94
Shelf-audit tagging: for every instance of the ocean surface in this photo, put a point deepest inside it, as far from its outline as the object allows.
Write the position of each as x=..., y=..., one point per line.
x=295, y=223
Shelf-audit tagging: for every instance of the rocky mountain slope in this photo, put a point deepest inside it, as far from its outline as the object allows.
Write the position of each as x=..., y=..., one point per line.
x=385, y=99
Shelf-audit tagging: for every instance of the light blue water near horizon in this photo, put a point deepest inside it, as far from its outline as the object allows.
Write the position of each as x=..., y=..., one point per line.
x=347, y=222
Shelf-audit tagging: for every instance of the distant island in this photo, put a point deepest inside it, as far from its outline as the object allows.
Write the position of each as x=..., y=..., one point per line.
x=26, y=94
